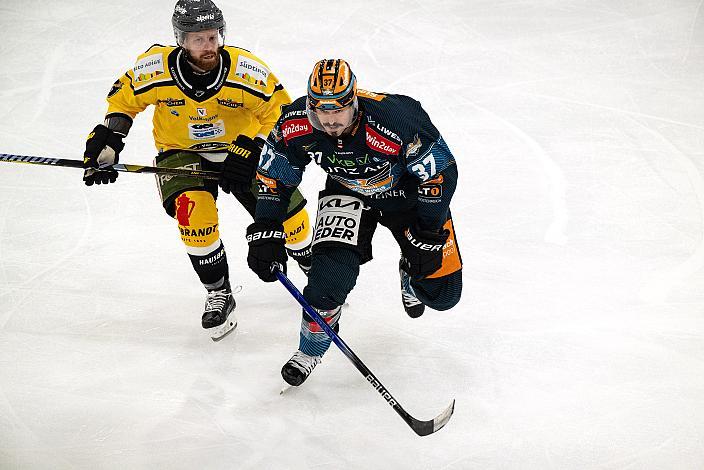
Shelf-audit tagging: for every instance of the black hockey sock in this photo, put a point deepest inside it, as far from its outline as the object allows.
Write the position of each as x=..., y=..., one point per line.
x=211, y=268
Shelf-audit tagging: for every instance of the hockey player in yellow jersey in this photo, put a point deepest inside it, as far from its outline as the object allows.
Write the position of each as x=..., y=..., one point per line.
x=214, y=105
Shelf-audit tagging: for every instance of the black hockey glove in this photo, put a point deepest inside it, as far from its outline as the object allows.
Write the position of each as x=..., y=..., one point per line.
x=103, y=148
x=240, y=165
x=422, y=251
x=267, y=241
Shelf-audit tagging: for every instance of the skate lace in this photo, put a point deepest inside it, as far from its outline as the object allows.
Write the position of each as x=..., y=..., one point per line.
x=216, y=299
x=409, y=300
x=304, y=362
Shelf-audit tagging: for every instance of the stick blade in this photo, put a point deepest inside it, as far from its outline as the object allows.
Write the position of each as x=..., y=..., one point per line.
x=423, y=428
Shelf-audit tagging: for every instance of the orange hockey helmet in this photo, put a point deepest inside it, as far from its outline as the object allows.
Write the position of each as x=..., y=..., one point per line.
x=332, y=85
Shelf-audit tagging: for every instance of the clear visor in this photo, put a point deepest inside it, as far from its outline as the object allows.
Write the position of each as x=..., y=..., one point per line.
x=315, y=120
x=199, y=40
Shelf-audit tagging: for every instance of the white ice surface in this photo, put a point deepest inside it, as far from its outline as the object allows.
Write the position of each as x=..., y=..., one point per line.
x=578, y=127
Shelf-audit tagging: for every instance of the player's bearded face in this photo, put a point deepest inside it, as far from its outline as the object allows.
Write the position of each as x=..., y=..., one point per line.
x=203, y=48
x=335, y=121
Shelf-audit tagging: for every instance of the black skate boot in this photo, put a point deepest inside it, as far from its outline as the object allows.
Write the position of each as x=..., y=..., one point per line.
x=219, y=318
x=414, y=307
x=299, y=367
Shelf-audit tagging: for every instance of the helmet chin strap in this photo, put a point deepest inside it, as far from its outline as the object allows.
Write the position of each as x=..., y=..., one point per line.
x=356, y=119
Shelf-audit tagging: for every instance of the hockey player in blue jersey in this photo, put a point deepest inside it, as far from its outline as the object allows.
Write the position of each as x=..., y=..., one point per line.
x=387, y=164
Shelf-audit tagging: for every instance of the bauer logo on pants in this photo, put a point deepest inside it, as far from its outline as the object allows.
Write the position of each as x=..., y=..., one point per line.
x=338, y=220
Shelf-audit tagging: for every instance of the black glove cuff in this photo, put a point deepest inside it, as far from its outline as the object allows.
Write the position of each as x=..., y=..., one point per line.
x=259, y=142
x=100, y=137
x=244, y=147
x=265, y=231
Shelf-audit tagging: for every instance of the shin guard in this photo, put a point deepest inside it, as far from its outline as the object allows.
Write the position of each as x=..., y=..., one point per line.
x=197, y=218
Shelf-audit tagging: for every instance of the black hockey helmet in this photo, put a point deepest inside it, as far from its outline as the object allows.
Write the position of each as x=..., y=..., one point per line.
x=192, y=16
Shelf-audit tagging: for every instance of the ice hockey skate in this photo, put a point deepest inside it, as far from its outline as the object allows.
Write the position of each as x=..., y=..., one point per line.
x=219, y=318
x=414, y=307
x=299, y=367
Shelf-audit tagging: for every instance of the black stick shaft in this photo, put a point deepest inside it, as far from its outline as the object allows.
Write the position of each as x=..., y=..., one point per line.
x=64, y=162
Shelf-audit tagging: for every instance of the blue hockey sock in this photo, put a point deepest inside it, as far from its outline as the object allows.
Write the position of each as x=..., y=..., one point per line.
x=313, y=340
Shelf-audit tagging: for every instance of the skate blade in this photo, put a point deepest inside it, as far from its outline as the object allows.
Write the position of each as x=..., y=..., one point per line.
x=224, y=331
x=287, y=388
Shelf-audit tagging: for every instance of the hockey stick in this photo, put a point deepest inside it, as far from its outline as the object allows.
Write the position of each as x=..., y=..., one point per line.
x=422, y=428
x=211, y=175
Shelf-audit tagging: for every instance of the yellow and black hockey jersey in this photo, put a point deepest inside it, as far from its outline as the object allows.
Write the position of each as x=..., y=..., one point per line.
x=244, y=98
